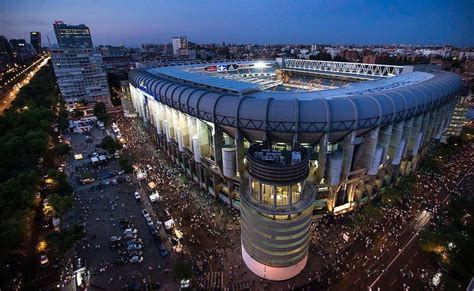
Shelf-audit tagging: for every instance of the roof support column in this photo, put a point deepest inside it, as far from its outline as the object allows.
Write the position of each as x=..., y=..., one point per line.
x=203, y=136
x=395, y=140
x=368, y=148
x=192, y=130
x=218, y=143
x=385, y=135
x=415, y=136
x=348, y=154
x=240, y=151
x=183, y=125
x=322, y=155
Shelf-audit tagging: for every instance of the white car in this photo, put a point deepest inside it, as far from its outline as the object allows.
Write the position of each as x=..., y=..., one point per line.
x=44, y=260
x=115, y=238
x=134, y=247
x=130, y=236
x=145, y=213
x=137, y=195
x=136, y=259
x=149, y=221
x=130, y=230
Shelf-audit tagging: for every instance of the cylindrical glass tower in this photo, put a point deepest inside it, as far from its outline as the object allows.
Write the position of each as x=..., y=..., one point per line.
x=276, y=212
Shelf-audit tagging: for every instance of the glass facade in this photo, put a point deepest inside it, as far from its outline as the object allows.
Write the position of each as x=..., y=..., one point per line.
x=281, y=195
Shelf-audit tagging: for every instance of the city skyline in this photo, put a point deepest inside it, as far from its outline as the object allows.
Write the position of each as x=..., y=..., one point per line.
x=246, y=22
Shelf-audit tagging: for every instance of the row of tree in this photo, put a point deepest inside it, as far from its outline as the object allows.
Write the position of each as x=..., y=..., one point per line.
x=26, y=131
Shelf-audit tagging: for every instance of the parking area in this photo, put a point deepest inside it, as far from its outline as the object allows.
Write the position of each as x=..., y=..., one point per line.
x=120, y=247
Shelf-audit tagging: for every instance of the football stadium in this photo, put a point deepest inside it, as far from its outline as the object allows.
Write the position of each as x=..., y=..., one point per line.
x=285, y=139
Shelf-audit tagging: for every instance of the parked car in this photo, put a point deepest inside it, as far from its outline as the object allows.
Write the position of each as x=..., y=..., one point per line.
x=44, y=260
x=115, y=238
x=145, y=213
x=134, y=241
x=134, y=247
x=149, y=221
x=130, y=236
x=136, y=259
x=135, y=253
x=163, y=251
x=130, y=230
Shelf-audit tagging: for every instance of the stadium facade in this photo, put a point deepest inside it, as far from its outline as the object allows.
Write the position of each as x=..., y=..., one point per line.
x=284, y=139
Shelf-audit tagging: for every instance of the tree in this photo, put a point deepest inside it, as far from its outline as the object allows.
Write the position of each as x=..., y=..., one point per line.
x=182, y=271
x=125, y=164
x=60, y=203
x=111, y=145
x=60, y=183
x=100, y=111
x=63, y=149
x=65, y=239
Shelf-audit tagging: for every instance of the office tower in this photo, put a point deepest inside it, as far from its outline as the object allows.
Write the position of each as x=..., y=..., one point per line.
x=78, y=67
x=35, y=40
x=69, y=35
x=6, y=53
x=22, y=51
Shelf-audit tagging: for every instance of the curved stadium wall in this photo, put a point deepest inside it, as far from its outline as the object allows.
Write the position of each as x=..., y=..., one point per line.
x=349, y=143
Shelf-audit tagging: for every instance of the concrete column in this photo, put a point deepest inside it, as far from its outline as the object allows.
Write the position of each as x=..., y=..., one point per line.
x=323, y=149
x=192, y=131
x=415, y=133
x=203, y=134
x=183, y=125
x=218, y=143
x=385, y=136
x=368, y=148
x=240, y=151
x=348, y=154
x=397, y=132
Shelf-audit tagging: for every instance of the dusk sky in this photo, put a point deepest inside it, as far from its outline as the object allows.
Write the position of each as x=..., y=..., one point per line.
x=263, y=22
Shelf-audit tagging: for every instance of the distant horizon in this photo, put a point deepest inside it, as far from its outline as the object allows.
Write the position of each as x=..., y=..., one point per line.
x=265, y=22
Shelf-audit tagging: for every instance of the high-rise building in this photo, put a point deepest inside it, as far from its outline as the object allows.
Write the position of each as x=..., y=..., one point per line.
x=35, y=40
x=78, y=67
x=22, y=51
x=6, y=53
x=180, y=45
x=80, y=75
x=72, y=35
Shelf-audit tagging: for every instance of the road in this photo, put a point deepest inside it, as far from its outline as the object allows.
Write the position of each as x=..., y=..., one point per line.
x=11, y=95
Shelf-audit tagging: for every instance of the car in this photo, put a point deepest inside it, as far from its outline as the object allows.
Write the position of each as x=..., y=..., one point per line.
x=130, y=230
x=134, y=247
x=115, y=238
x=136, y=259
x=134, y=241
x=163, y=251
x=137, y=195
x=145, y=213
x=44, y=260
x=130, y=235
x=135, y=253
x=152, y=285
x=149, y=221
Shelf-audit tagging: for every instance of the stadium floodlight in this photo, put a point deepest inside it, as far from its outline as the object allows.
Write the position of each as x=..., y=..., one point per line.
x=260, y=65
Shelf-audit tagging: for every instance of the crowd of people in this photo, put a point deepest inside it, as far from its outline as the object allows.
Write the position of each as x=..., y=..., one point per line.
x=211, y=241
